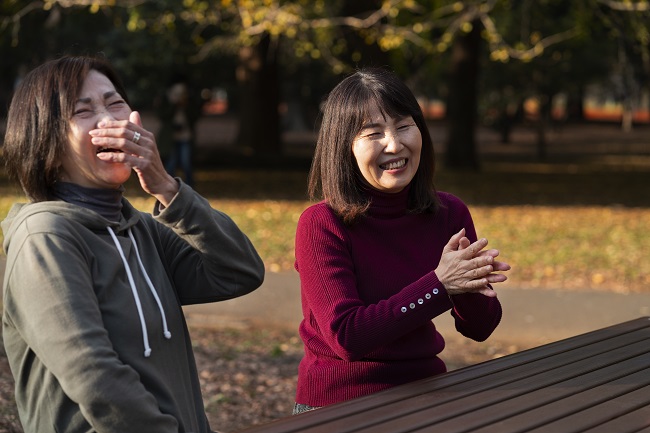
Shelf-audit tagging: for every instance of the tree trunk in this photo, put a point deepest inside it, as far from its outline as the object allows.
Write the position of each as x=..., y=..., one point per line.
x=462, y=105
x=259, y=120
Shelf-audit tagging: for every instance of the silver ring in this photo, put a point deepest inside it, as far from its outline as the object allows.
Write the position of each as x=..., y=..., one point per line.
x=136, y=137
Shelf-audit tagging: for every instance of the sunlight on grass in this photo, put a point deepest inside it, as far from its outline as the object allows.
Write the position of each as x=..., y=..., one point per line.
x=571, y=247
x=602, y=248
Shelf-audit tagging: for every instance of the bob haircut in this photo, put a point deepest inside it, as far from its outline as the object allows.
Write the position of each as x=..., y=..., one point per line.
x=334, y=173
x=38, y=122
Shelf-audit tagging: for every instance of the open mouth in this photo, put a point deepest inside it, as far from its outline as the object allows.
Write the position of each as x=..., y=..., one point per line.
x=394, y=165
x=108, y=149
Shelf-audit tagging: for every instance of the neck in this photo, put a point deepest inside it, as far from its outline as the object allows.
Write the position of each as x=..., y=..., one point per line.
x=106, y=202
x=388, y=205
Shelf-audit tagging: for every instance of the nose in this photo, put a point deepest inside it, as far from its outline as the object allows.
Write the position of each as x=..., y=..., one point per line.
x=103, y=114
x=393, y=143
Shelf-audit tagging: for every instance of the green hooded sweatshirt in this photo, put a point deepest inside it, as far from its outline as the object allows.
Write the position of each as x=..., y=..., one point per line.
x=92, y=322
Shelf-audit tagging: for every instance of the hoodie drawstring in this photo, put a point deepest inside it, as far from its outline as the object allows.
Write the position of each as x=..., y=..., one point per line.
x=166, y=332
x=136, y=297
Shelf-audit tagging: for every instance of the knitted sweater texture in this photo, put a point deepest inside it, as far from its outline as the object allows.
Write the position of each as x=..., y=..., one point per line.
x=369, y=294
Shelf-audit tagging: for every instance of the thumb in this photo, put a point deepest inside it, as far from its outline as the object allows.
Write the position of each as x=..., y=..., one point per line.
x=454, y=241
x=134, y=117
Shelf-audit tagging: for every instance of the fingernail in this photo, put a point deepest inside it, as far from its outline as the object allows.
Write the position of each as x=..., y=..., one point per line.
x=101, y=124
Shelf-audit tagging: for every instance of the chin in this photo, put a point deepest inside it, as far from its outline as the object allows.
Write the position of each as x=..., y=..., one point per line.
x=116, y=181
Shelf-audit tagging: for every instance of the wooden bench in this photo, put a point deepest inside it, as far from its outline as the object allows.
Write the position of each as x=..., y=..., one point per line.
x=597, y=382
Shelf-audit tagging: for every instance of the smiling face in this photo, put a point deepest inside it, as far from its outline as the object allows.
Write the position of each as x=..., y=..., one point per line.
x=387, y=151
x=97, y=100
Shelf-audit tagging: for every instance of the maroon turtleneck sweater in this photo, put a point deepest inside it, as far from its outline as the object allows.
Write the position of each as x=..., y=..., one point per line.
x=370, y=292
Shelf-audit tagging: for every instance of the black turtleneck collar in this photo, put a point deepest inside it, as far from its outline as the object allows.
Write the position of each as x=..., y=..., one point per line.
x=106, y=202
x=387, y=205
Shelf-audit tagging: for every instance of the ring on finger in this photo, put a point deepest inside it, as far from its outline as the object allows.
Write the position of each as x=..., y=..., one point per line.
x=136, y=137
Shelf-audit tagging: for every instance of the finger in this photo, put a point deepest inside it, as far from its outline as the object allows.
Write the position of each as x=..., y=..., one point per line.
x=480, y=261
x=487, y=292
x=480, y=272
x=474, y=248
x=501, y=266
x=134, y=117
x=463, y=243
x=475, y=284
x=454, y=241
x=496, y=278
x=491, y=252
x=477, y=246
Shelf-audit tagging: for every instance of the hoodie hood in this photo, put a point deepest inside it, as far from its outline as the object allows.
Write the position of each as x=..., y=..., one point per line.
x=90, y=219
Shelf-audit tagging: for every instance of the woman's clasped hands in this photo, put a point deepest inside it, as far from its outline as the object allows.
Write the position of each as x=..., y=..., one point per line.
x=468, y=267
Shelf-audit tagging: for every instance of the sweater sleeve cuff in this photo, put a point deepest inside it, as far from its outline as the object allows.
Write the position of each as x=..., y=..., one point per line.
x=179, y=202
x=427, y=296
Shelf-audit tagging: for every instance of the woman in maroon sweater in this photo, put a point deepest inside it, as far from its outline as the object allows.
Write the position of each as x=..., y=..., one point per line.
x=384, y=253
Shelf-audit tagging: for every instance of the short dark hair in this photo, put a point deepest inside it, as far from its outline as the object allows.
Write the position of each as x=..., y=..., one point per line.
x=334, y=173
x=39, y=116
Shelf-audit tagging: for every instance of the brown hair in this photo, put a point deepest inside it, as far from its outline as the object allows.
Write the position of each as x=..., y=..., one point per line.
x=38, y=121
x=334, y=173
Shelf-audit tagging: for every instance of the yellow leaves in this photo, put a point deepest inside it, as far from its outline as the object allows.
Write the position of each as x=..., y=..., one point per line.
x=466, y=27
x=135, y=23
x=246, y=20
x=390, y=42
x=500, y=55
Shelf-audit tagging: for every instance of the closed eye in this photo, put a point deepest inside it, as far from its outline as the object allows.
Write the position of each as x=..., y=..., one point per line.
x=405, y=126
x=83, y=112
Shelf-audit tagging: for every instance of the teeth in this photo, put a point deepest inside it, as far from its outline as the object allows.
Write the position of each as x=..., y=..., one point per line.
x=394, y=165
x=107, y=149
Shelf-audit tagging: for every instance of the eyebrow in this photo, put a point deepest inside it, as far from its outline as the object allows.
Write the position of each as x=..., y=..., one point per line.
x=105, y=95
x=376, y=125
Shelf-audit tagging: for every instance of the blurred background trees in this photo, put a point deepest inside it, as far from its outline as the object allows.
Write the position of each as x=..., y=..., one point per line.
x=492, y=62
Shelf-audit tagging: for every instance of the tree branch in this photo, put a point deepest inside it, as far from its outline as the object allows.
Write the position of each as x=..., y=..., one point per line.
x=626, y=6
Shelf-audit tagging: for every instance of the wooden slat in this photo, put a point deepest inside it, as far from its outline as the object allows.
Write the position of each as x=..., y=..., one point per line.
x=605, y=411
x=632, y=422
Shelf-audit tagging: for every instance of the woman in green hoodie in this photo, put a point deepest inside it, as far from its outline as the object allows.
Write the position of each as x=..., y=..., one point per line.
x=92, y=322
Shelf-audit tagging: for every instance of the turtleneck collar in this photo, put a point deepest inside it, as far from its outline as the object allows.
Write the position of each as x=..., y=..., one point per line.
x=388, y=205
x=106, y=202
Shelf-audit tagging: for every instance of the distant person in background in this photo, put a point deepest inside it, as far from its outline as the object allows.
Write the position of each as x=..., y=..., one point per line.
x=179, y=113
x=384, y=254
x=92, y=323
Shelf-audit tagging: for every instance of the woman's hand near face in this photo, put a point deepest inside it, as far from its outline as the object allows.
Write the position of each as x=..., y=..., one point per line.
x=141, y=154
x=468, y=268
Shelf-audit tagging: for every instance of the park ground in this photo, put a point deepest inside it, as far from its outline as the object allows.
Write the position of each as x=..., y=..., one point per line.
x=594, y=175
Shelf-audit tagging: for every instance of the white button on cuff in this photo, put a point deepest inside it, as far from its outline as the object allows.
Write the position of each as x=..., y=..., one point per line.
x=435, y=291
x=428, y=296
x=412, y=306
x=404, y=310
x=420, y=301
